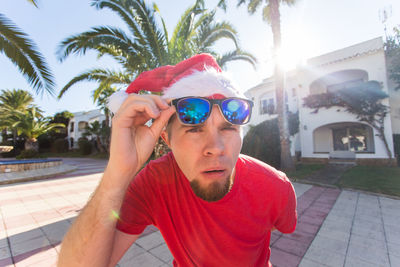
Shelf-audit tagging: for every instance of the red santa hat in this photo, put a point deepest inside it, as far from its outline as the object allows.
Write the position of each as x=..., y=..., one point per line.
x=199, y=75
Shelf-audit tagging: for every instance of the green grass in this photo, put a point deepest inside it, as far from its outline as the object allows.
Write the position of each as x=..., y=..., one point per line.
x=303, y=170
x=384, y=180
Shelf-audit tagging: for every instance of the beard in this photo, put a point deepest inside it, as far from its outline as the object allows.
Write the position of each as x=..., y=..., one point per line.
x=213, y=192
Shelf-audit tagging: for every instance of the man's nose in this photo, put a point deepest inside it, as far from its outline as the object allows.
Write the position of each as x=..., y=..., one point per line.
x=214, y=143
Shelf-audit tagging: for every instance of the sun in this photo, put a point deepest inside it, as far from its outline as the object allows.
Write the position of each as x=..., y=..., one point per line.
x=296, y=47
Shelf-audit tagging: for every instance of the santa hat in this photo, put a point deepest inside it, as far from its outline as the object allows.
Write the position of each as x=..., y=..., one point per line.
x=199, y=75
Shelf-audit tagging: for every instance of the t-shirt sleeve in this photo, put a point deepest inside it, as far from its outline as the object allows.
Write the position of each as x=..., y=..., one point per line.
x=136, y=213
x=287, y=220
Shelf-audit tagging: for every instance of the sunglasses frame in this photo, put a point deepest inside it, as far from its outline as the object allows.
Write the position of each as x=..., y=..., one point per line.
x=212, y=102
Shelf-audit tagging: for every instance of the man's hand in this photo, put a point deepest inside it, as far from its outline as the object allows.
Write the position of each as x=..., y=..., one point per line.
x=90, y=240
x=132, y=141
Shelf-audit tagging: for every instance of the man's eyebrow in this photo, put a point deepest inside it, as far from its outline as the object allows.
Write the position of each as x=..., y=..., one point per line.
x=185, y=126
x=227, y=124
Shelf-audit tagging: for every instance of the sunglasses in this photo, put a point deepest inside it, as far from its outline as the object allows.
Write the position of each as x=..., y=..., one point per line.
x=196, y=110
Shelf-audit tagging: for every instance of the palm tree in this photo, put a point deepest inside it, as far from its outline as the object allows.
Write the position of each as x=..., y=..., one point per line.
x=12, y=101
x=146, y=45
x=96, y=129
x=271, y=14
x=31, y=126
x=23, y=52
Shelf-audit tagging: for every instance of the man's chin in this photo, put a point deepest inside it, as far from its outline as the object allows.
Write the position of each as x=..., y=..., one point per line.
x=213, y=191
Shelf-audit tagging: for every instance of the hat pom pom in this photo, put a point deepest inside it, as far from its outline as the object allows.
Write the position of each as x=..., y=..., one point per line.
x=115, y=100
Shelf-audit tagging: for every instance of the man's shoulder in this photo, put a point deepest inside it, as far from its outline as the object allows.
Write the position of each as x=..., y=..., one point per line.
x=262, y=170
x=161, y=170
x=162, y=163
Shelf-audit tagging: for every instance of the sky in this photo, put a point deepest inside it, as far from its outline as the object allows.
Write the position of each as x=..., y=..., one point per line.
x=310, y=28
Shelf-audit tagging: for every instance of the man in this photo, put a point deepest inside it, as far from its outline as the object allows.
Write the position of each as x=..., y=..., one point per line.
x=213, y=206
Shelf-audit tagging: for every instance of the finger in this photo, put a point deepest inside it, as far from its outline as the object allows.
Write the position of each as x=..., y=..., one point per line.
x=138, y=113
x=152, y=99
x=159, y=124
x=160, y=102
x=147, y=107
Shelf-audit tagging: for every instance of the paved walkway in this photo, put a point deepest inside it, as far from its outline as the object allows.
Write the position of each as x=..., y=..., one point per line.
x=335, y=228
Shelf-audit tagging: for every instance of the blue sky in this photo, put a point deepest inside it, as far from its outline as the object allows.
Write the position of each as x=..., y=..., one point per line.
x=310, y=28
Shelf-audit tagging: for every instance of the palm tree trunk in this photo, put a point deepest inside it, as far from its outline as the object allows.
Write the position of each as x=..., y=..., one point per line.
x=99, y=144
x=14, y=131
x=107, y=124
x=31, y=143
x=286, y=158
x=4, y=135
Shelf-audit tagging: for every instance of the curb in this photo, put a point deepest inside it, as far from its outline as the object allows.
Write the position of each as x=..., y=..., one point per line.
x=33, y=175
x=302, y=181
x=345, y=188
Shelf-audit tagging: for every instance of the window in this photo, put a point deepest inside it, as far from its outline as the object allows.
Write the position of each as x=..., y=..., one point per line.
x=352, y=138
x=349, y=84
x=267, y=106
x=82, y=126
x=72, y=127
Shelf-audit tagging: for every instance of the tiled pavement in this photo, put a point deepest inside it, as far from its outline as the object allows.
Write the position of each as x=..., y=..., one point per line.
x=335, y=228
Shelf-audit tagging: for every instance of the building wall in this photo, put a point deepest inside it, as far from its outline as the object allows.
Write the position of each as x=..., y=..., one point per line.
x=394, y=101
x=80, y=118
x=374, y=65
x=368, y=60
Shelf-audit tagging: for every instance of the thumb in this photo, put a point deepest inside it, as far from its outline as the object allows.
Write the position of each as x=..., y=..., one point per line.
x=159, y=123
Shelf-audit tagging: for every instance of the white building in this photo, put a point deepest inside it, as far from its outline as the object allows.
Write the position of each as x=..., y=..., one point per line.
x=78, y=123
x=334, y=132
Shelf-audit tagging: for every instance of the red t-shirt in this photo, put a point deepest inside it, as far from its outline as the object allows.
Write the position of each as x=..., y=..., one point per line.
x=234, y=231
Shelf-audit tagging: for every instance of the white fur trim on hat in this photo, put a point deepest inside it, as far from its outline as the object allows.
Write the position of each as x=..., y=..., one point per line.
x=115, y=101
x=203, y=83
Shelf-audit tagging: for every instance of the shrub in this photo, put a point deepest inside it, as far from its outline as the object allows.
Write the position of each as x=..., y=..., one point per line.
x=45, y=142
x=28, y=154
x=85, y=147
x=262, y=142
x=396, y=144
x=59, y=146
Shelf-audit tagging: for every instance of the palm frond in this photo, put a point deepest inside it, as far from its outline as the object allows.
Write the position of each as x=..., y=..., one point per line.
x=222, y=4
x=237, y=55
x=181, y=30
x=97, y=75
x=97, y=37
x=253, y=6
x=23, y=52
x=241, y=2
x=156, y=9
x=33, y=2
x=122, y=8
x=266, y=15
x=211, y=33
x=147, y=22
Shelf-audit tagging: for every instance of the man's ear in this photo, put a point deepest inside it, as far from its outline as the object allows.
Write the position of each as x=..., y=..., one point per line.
x=164, y=136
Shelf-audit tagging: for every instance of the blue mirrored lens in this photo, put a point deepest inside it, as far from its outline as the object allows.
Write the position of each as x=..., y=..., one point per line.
x=236, y=111
x=193, y=110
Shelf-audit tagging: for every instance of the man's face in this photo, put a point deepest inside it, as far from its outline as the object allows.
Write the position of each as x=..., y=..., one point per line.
x=206, y=153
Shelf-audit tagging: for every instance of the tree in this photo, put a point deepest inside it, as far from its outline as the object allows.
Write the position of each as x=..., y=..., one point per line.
x=146, y=45
x=262, y=140
x=62, y=117
x=363, y=100
x=12, y=101
x=271, y=15
x=31, y=126
x=392, y=52
x=23, y=52
x=98, y=131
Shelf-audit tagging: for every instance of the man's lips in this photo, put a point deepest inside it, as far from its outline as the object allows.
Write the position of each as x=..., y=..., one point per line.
x=214, y=172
